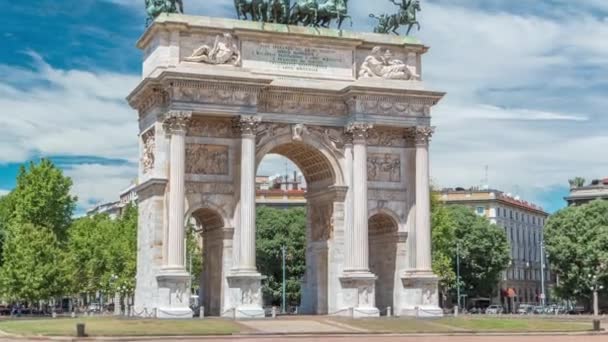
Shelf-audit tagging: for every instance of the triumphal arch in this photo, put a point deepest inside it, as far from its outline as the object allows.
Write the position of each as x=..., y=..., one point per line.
x=349, y=109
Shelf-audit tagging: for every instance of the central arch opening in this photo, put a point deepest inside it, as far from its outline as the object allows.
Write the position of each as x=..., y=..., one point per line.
x=295, y=209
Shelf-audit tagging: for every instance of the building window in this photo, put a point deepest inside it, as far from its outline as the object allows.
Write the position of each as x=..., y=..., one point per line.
x=480, y=210
x=497, y=211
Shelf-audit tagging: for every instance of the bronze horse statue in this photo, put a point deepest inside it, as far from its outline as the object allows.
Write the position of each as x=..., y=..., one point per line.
x=155, y=7
x=406, y=16
x=256, y=9
x=333, y=9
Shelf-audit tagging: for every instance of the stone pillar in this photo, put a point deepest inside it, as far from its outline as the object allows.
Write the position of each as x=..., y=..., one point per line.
x=173, y=279
x=176, y=125
x=360, y=212
x=245, y=282
x=349, y=241
x=423, y=200
x=358, y=283
x=248, y=127
x=419, y=295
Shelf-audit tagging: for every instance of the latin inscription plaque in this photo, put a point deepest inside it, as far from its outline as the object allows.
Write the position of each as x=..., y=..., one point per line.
x=288, y=59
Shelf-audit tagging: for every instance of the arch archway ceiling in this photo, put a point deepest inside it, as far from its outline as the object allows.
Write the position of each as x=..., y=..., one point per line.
x=381, y=223
x=313, y=164
x=208, y=219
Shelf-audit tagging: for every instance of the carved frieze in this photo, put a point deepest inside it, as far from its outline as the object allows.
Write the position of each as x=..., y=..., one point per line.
x=303, y=104
x=224, y=51
x=207, y=159
x=392, y=106
x=382, y=64
x=383, y=167
x=209, y=188
x=212, y=128
x=147, y=154
x=386, y=137
x=216, y=93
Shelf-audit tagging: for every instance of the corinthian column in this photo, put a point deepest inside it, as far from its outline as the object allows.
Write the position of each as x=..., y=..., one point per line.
x=176, y=124
x=248, y=127
x=360, y=236
x=423, y=200
x=349, y=246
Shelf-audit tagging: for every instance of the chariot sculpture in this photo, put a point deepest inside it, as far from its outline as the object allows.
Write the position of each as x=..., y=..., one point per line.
x=305, y=12
x=406, y=16
x=155, y=7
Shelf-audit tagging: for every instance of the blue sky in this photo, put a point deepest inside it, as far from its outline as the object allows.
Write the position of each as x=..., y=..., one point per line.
x=526, y=81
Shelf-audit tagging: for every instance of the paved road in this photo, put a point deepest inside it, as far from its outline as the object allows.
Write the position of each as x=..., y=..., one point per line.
x=367, y=338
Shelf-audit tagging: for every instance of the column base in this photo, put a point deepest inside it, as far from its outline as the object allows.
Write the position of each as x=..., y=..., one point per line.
x=358, y=295
x=173, y=294
x=246, y=295
x=419, y=295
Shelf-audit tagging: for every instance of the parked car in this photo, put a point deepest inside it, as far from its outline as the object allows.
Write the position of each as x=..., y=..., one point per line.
x=94, y=307
x=494, y=310
x=525, y=309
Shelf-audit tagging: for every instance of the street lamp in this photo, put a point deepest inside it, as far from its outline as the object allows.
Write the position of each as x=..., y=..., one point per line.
x=458, y=273
x=542, y=273
x=595, y=287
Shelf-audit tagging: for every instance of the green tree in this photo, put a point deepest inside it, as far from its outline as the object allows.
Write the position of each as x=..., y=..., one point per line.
x=483, y=247
x=576, y=182
x=6, y=215
x=277, y=228
x=484, y=251
x=576, y=240
x=33, y=262
x=443, y=227
x=195, y=257
x=42, y=197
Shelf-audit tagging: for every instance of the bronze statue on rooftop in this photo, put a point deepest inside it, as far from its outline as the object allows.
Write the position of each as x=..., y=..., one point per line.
x=155, y=7
x=406, y=16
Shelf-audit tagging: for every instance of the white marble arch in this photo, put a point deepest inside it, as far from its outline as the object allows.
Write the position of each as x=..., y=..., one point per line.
x=216, y=233
x=324, y=231
x=384, y=244
x=335, y=163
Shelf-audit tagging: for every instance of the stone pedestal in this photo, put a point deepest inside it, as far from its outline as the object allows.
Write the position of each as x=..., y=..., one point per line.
x=359, y=296
x=246, y=295
x=173, y=295
x=420, y=295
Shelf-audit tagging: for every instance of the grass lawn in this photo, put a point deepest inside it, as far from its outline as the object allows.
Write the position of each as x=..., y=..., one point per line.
x=468, y=324
x=119, y=327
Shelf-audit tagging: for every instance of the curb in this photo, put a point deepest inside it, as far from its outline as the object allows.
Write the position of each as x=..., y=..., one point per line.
x=300, y=335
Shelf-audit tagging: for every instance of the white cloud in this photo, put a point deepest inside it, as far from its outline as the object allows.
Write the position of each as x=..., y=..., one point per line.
x=4, y=192
x=526, y=86
x=65, y=112
x=95, y=183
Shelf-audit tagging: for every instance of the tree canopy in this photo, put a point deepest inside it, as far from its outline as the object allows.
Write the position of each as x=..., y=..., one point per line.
x=42, y=197
x=277, y=228
x=483, y=248
x=576, y=240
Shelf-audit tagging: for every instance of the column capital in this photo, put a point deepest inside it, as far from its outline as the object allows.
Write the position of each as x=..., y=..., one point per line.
x=359, y=130
x=247, y=125
x=419, y=136
x=176, y=121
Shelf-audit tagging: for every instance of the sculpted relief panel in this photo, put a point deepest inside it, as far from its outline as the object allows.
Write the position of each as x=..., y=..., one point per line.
x=382, y=64
x=302, y=104
x=212, y=128
x=321, y=221
x=147, y=156
x=223, y=51
x=206, y=159
x=384, y=167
